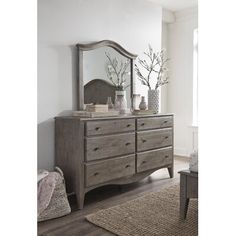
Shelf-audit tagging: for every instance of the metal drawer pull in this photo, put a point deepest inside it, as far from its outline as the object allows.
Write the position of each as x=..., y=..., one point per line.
x=96, y=173
x=97, y=128
x=166, y=156
x=128, y=125
x=127, y=166
x=96, y=148
x=166, y=137
x=142, y=124
x=144, y=141
x=143, y=162
x=127, y=144
x=165, y=121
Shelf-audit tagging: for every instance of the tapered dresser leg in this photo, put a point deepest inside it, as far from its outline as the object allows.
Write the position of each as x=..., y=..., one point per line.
x=171, y=171
x=80, y=199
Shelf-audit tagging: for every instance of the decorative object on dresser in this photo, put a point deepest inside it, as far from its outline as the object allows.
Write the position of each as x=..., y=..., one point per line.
x=109, y=103
x=95, y=114
x=143, y=112
x=116, y=73
x=97, y=107
x=136, y=101
x=120, y=101
x=103, y=68
x=143, y=105
x=93, y=152
x=156, y=73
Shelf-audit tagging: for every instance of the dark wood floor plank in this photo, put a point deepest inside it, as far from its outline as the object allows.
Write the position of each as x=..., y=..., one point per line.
x=105, y=197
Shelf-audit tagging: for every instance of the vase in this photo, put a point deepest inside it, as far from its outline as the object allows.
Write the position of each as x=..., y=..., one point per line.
x=153, y=100
x=109, y=103
x=120, y=101
x=136, y=101
x=143, y=104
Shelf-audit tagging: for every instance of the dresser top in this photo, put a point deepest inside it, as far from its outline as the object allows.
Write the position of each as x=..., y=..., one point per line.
x=127, y=116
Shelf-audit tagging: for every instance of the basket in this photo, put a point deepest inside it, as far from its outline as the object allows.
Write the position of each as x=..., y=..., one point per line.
x=58, y=205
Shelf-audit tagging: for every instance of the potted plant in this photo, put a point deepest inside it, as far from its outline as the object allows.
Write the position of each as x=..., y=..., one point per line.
x=155, y=69
x=117, y=73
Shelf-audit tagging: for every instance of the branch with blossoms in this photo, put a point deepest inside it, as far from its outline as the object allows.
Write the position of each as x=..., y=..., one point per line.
x=155, y=66
x=117, y=72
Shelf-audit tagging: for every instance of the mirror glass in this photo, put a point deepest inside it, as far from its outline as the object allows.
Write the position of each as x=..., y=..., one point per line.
x=106, y=64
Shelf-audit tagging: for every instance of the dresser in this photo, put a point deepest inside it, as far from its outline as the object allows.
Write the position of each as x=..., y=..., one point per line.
x=93, y=152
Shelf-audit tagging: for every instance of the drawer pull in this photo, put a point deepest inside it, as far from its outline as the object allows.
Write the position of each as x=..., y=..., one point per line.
x=166, y=156
x=143, y=162
x=142, y=124
x=97, y=128
x=127, y=144
x=165, y=121
x=144, y=140
x=96, y=174
x=128, y=125
x=166, y=137
x=95, y=149
x=127, y=166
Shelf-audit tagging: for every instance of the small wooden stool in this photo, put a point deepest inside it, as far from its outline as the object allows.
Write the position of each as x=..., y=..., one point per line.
x=188, y=189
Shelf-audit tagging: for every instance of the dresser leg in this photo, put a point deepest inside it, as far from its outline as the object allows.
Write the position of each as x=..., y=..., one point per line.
x=171, y=171
x=80, y=199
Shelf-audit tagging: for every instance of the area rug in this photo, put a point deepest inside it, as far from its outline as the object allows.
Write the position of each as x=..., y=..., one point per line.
x=154, y=214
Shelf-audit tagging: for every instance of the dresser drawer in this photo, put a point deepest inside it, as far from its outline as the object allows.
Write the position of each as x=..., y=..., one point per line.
x=109, y=126
x=154, y=122
x=153, y=159
x=103, y=171
x=109, y=146
x=154, y=139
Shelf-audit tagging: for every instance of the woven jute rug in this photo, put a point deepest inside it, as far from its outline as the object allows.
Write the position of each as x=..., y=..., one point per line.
x=152, y=214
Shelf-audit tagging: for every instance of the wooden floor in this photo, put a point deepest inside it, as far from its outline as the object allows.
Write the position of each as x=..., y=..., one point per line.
x=104, y=197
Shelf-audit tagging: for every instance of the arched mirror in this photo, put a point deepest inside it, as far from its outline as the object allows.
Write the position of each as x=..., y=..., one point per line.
x=103, y=68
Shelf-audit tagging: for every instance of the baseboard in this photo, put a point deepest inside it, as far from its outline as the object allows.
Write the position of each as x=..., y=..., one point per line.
x=181, y=152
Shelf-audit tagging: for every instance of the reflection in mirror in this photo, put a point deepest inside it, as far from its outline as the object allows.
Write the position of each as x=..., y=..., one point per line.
x=109, y=70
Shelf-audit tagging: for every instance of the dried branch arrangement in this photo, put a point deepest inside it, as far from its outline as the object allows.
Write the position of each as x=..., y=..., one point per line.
x=117, y=72
x=155, y=67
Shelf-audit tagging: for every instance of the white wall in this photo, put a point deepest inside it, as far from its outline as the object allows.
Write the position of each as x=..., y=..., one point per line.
x=164, y=89
x=180, y=92
x=62, y=24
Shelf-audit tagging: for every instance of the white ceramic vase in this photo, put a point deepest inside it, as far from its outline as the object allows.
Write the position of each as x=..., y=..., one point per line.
x=120, y=101
x=153, y=100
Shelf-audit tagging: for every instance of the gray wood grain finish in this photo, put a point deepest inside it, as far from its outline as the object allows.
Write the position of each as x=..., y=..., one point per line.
x=192, y=187
x=154, y=122
x=92, y=152
x=106, y=43
x=97, y=91
x=109, y=145
x=65, y=152
x=103, y=171
x=105, y=197
x=91, y=46
x=154, y=139
x=188, y=189
x=125, y=179
x=109, y=126
x=152, y=159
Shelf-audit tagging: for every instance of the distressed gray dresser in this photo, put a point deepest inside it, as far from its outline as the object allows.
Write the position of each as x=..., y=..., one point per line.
x=117, y=150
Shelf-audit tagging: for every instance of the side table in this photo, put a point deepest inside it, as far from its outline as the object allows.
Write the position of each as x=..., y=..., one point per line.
x=188, y=189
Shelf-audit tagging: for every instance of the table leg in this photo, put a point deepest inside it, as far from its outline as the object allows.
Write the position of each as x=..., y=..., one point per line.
x=184, y=201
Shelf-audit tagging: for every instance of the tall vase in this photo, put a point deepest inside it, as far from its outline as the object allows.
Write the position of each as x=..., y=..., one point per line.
x=153, y=100
x=120, y=101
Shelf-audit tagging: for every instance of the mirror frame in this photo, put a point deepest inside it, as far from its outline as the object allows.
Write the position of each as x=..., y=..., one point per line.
x=81, y=48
